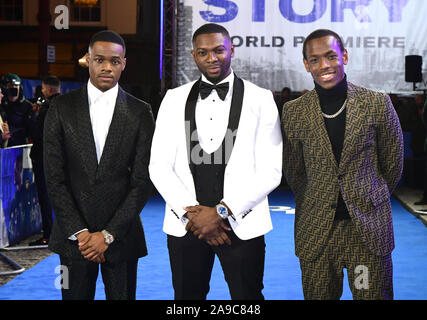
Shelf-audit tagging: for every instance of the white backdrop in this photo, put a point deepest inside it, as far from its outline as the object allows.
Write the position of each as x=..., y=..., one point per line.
x=268, y=35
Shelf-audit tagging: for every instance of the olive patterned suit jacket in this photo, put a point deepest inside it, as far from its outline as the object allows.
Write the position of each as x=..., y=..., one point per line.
x=109, y=195
x=370, y=168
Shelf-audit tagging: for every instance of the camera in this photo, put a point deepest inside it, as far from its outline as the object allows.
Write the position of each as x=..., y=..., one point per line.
x=41, y=101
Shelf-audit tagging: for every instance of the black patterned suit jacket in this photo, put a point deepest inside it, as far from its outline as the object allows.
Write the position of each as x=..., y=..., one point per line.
x=107, y=196
x=370, y=168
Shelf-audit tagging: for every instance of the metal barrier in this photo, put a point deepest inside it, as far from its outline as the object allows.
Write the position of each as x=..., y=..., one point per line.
x=18, y=268
x=20, y=215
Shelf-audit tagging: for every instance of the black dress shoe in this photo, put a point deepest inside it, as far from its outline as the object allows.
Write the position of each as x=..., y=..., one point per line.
x=40, y=242
x=421, y=202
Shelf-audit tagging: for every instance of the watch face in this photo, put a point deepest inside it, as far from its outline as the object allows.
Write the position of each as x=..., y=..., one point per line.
x=108, y=238
x=222, y=211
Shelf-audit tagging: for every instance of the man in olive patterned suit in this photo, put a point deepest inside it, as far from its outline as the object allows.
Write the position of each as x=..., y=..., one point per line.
x=343, y=152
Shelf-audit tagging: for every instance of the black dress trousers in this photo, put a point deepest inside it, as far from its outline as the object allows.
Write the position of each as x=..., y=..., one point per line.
x=192, y=262
x=80, y=276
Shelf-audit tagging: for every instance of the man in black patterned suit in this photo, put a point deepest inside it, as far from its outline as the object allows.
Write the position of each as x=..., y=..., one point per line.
x=342, y=157
x=97, y=149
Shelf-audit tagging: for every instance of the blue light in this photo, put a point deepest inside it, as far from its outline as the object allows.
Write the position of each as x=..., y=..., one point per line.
x=161, y=40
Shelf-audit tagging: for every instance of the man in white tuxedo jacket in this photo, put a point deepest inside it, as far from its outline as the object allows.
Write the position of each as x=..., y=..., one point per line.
x=216, y=155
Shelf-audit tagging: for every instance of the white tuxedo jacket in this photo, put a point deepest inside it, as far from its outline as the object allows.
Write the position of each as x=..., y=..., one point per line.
x=253, y=170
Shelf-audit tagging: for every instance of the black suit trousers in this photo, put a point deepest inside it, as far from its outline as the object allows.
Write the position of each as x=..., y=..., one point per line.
x=192, y=261
x=81, y=275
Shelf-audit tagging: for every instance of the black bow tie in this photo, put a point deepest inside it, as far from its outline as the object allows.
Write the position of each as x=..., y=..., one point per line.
x=206, y=88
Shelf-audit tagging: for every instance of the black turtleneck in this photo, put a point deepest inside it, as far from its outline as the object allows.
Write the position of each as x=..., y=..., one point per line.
x=331, y=100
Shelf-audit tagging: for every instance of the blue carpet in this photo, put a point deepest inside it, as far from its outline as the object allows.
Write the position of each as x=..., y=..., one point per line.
x=282, y=277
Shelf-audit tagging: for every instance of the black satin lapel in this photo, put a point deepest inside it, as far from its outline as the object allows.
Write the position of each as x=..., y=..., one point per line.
x=85, y=134
x=235, y=112
x=115, y=132
x=190, y=121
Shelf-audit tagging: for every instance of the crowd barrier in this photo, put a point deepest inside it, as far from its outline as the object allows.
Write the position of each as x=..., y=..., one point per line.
x=20, y=215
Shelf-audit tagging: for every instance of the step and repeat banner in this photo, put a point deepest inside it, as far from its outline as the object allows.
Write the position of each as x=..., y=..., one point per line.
x=268, y=36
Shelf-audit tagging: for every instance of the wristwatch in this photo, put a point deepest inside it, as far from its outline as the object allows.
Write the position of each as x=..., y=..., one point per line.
x=108, y=237
x=222, y=211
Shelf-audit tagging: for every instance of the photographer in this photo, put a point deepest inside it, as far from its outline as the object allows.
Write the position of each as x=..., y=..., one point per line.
x=51, y=87
x=18, y=111
x=4, y=127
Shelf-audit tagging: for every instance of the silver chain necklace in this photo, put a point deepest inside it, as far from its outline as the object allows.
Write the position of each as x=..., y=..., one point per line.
x=337, y=113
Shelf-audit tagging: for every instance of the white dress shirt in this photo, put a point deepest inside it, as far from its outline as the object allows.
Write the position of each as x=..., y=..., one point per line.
x=212, y=115
x=101, y=109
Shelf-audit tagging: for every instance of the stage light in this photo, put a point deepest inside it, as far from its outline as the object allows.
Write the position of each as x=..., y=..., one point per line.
x=83, y=62
x=87, y=3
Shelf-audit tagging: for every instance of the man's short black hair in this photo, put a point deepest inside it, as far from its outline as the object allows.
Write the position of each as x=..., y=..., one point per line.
x=52, y=81
x=108, y=36
x=320, y=33
x=210, y=28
